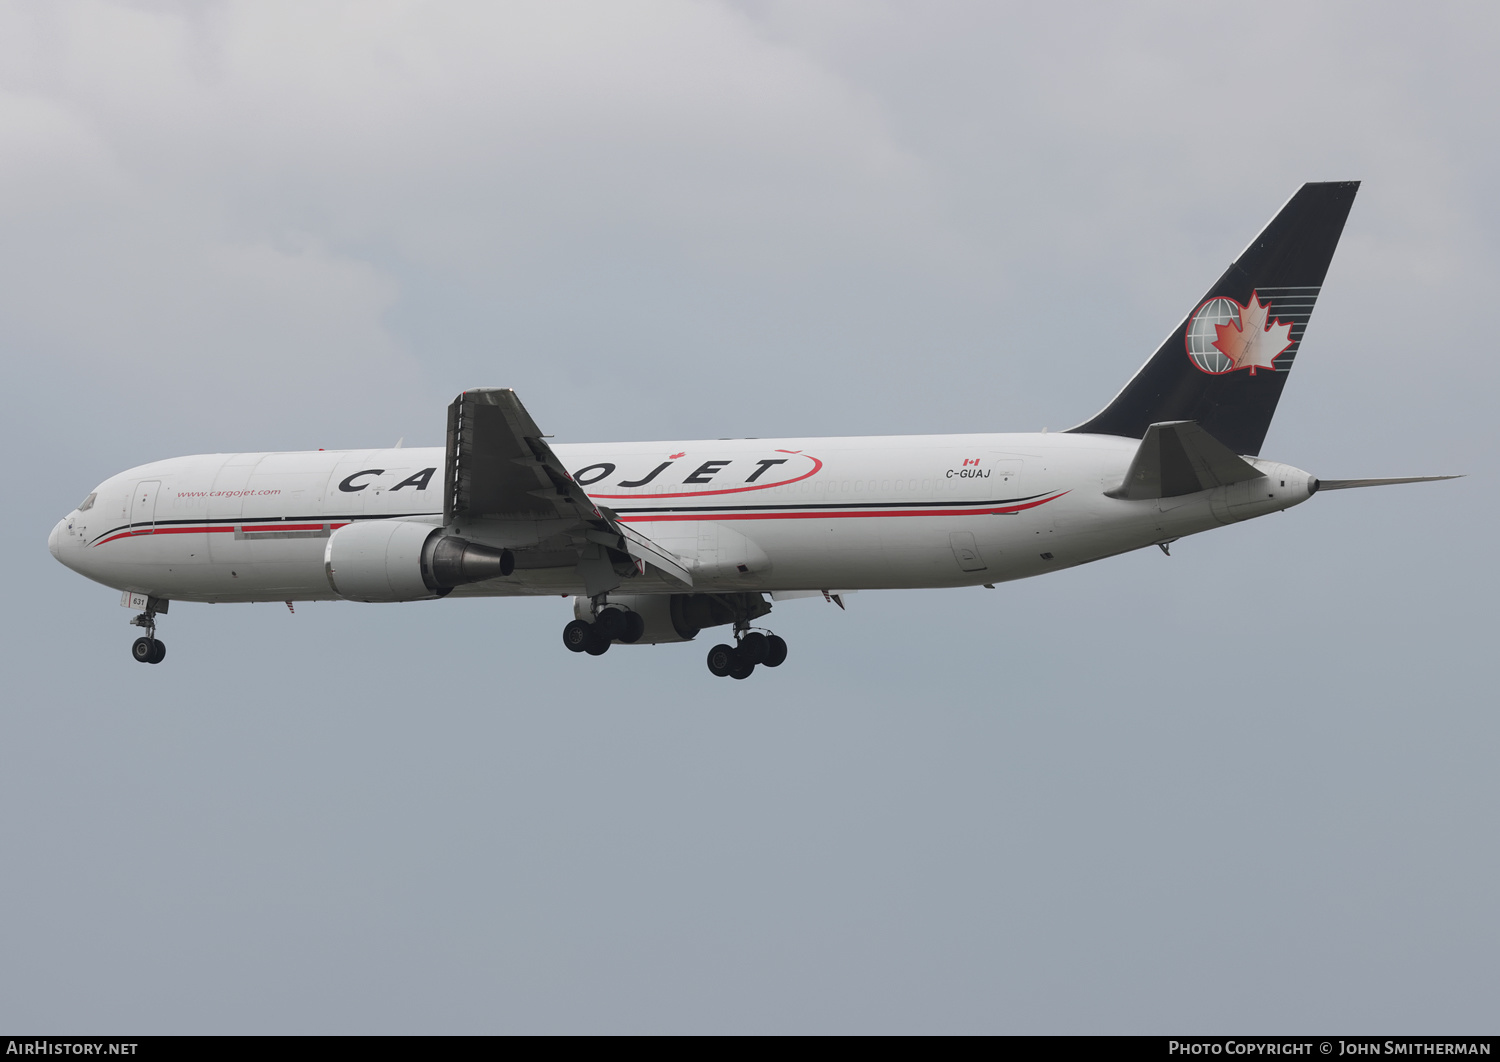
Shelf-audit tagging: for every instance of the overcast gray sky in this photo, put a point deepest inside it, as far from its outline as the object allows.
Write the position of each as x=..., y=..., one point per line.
x=1248, y=788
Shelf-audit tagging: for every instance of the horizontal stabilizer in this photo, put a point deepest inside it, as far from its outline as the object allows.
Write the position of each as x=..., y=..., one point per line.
x=1179, y=457
x=1345, y=484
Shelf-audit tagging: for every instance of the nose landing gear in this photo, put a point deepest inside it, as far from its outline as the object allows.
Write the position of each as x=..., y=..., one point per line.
x=148, y=650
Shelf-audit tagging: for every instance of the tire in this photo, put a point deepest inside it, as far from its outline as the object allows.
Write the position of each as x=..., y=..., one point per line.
x=635, y=626
x=158, y=652
x=610, y=623
x=598, y=643
x=721, y=660
x=754, y=648
x=142, y=650
x=577, y=635
x=775, y=651
x=741, y=669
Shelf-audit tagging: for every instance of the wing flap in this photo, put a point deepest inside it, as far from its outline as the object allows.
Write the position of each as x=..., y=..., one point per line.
x=629, y=541
x=643, y=549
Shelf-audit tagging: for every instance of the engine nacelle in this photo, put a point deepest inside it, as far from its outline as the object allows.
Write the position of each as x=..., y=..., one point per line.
x=675, y=617
x=379, y=560
x=402, y=560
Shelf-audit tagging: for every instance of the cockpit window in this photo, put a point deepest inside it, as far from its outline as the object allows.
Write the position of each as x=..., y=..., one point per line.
x=88, y=503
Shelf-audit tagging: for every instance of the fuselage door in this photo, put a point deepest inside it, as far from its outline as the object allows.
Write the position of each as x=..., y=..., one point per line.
x=1006, y=483
x=966, y=551
x=143, y=506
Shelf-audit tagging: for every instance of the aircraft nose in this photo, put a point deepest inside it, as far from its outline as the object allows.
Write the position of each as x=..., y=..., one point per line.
x=57, y=542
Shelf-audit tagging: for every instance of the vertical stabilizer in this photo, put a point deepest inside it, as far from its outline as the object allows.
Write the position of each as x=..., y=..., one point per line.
x=1225, y=365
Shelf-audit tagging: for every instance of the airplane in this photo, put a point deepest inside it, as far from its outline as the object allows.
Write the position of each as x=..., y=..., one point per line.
x=659, y=541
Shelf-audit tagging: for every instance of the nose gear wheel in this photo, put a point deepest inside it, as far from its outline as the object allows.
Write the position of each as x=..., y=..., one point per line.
x=148, y=649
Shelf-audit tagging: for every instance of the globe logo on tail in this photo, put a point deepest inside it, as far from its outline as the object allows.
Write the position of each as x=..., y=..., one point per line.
x=1225, y=336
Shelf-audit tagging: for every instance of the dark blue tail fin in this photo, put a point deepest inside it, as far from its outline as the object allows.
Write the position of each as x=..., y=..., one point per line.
x=1225, y=365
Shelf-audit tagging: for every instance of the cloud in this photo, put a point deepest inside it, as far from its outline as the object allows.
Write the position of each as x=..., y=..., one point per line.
x=211, y=189
x=616, y=208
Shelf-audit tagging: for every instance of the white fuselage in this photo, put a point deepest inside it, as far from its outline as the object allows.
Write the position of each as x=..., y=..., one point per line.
x=744, y=514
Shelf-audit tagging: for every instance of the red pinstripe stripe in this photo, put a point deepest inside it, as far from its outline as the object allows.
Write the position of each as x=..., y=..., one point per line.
x=648, y=518
x=838, y=515
x=144, y=532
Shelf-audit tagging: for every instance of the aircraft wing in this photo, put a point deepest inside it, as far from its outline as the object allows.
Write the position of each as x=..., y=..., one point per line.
x=1178, y=457
x=499, y=465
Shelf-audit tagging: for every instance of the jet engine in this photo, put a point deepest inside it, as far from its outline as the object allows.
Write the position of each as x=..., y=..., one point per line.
x=401, y=560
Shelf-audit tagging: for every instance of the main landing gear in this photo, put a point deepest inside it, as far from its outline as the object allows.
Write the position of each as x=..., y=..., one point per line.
x=610, y=625
x=751, y=648
x=599, y=622
x=147, y=650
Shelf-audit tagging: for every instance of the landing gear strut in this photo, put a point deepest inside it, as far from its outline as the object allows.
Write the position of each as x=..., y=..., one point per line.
x=147, y=650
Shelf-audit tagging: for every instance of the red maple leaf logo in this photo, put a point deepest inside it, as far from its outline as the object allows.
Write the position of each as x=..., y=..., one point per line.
x=1258, y=343
x=676, y=456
